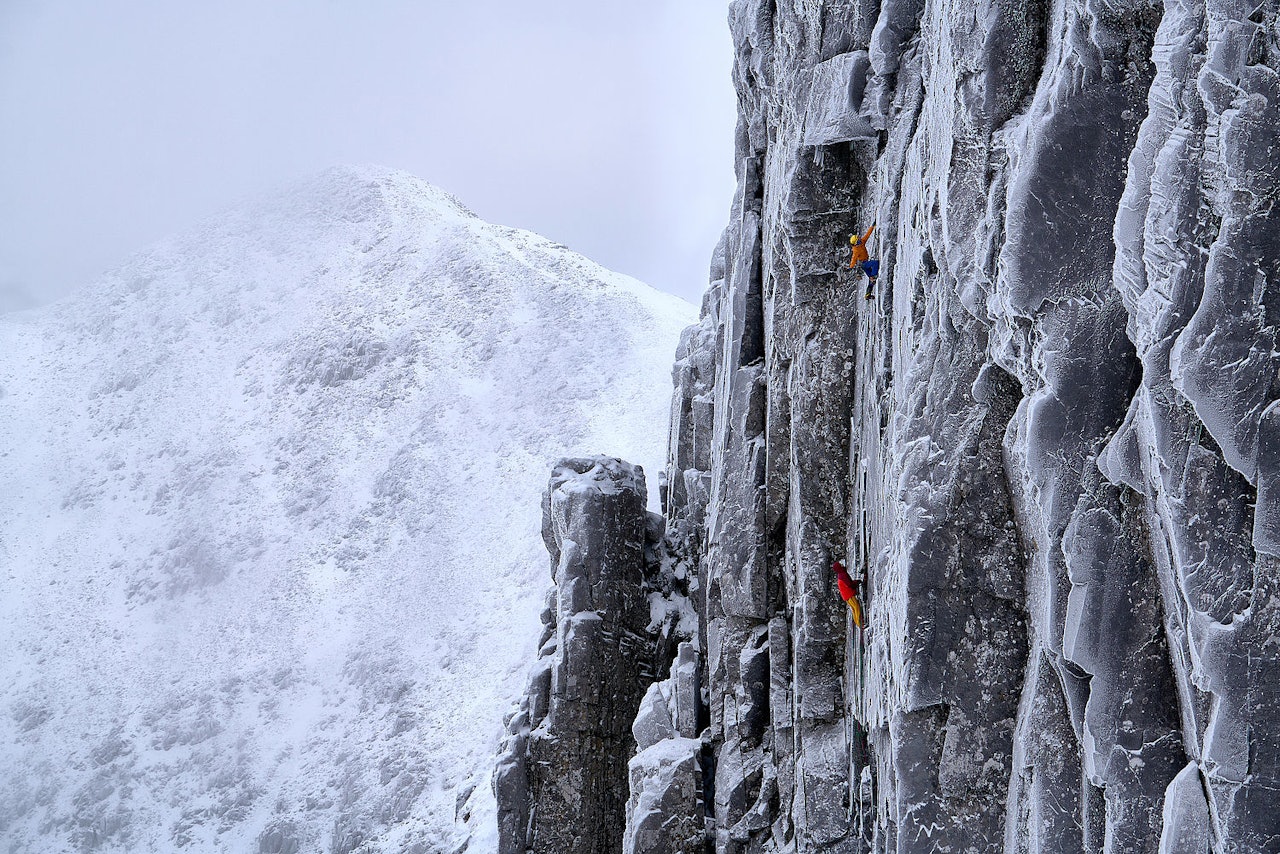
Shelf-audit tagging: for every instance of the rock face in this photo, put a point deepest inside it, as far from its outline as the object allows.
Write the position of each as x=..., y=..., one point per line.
x=1050, y=444
x=665, y=813
x=561, y=782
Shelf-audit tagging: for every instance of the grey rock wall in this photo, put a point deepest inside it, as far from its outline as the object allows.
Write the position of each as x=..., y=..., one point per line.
x=665, y=813
x=1050, y=444
x=561, y=780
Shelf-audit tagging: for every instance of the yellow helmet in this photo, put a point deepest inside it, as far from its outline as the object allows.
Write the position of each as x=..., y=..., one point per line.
x=853, y=239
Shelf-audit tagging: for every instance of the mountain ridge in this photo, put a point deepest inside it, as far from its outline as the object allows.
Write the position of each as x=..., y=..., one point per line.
x=273, y=494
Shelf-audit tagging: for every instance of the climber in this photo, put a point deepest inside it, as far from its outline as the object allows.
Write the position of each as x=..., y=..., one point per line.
x=862, y=258
x=848, y=591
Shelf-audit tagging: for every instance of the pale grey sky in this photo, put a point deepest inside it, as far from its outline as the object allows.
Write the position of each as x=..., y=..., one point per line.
x=602, y=124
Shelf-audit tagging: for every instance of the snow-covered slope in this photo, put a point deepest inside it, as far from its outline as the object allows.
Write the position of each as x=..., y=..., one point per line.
x=270, y=563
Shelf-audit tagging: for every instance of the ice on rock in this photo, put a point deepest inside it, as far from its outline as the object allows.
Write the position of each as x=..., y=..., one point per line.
x=665, y=812
x=1048, y=445
x=835, y=99
x=653, y=721
x=662, y=814
x=1188, y=828
x=1266, y=525
x=562, y=770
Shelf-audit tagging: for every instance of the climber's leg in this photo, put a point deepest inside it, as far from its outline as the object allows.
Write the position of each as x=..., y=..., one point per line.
x=872, y=269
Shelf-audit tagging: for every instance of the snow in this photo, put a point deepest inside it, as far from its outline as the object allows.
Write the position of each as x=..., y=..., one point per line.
x=674, y=608
x=668, y=751
x=270, y=553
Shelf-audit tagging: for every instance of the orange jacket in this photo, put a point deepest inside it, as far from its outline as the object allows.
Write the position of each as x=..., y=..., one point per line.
x=860, y=253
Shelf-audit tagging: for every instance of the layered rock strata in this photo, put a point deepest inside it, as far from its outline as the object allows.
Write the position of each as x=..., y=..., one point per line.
x=1048, y=444
x=561, y=782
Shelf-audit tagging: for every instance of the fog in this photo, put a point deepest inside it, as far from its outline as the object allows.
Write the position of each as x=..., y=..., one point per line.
x=606, y=126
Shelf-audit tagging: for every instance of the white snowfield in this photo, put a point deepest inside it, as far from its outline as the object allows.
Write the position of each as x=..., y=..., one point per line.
x=270, y=559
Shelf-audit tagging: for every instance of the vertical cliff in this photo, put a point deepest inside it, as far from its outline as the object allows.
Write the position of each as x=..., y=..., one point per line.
x=1049, y=444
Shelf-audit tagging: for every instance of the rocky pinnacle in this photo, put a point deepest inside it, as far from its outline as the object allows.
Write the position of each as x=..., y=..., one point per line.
x=561, y=783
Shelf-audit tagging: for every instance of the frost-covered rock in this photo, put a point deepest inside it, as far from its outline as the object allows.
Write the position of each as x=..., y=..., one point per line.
x=663, y=813
x=653, y=719
x=270, y=567
x=562, y=778
x=1048, y=444
x=666, y=810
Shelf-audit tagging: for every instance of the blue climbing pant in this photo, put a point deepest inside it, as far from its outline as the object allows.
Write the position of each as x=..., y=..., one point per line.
x=871, y=268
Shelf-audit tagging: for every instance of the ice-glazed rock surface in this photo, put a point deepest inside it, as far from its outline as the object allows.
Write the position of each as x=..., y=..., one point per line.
x=665, y=813
x=1049, y=445
x=561, y=781
x=270, y=565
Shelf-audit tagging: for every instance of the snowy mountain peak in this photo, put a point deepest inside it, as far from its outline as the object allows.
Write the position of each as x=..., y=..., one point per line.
x=270, y=562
